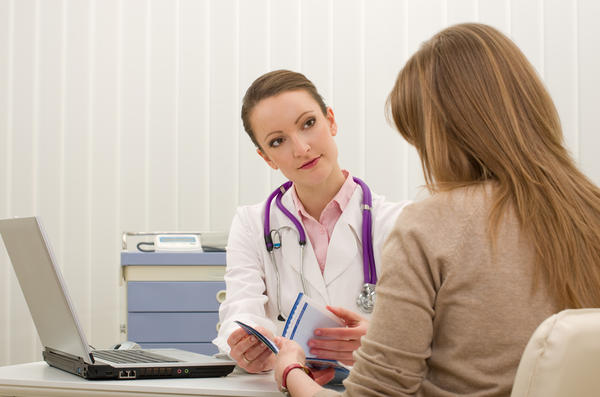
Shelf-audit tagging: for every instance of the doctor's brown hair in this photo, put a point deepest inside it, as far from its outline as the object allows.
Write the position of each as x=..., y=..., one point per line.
x=475, y=109
x=271, y=84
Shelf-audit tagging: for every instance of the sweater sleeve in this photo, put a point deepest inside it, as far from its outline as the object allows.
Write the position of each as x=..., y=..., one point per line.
x=392, y=359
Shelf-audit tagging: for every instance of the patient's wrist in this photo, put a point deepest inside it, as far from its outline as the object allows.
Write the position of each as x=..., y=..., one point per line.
x=288, y=370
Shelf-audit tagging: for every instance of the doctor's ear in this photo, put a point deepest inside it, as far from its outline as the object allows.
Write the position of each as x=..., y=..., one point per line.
x=332, y=124
x=267, y=159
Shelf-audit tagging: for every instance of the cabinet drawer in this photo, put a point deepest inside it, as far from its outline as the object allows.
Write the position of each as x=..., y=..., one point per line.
x=172, y=327
x=177, y=296
x=202, y=348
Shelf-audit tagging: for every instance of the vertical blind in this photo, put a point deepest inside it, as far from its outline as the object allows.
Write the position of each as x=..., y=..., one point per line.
x=123, y=115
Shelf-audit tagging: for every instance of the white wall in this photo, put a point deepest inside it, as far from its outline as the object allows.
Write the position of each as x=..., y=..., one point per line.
x=123, y=115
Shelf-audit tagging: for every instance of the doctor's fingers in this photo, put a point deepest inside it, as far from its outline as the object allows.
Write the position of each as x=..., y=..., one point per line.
x=240, y=348
x=236, y=336
x=342, y=346
x=349, y=317
x=263, y=362
x=343, y=333
x=247, y=349
x=255, y=351
x=323, y=376
x=345, y=357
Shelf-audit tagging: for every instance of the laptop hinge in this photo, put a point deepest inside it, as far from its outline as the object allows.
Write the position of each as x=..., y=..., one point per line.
x=52, y=351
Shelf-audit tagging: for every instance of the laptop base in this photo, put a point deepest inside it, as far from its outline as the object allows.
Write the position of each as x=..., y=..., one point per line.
x=75, y=365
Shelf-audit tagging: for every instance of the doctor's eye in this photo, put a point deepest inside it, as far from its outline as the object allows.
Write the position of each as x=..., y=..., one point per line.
x=310, y=122
x=276, y=142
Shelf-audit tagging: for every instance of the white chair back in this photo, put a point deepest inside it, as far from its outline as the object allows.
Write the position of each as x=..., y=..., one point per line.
x=562, y=357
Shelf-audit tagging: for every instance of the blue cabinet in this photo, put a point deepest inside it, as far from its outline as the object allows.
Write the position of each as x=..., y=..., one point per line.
x=173, y=299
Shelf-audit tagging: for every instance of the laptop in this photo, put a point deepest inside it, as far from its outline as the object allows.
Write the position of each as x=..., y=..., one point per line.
x=65, y=345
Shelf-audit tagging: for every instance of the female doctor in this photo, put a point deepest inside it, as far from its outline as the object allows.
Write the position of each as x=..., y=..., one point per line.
x=316, y=248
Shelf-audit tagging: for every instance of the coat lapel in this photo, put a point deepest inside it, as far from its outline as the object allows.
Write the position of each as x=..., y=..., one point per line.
x=291, y=251
x=345, y=246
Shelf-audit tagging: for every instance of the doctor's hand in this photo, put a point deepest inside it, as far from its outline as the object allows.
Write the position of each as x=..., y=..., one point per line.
x=250, y=353
x=342, y=341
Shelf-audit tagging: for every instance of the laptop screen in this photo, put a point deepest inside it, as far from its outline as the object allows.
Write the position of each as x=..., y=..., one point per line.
x=43, y=286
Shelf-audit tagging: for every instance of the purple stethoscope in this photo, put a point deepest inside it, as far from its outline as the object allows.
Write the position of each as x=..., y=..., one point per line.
x=366, y=298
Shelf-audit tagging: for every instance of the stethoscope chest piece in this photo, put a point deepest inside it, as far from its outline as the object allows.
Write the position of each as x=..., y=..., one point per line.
x=366, y=298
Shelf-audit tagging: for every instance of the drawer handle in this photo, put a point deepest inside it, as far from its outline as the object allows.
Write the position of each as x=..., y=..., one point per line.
x=218, y=326
x=221, y=296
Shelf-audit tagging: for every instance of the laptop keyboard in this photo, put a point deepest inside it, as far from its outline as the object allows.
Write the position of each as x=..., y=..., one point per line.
x=132, y=356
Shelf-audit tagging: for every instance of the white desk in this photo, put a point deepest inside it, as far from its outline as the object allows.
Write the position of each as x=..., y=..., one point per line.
x=38, y=379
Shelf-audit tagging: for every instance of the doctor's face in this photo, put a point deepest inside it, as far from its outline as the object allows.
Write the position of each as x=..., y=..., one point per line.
x=296, y=137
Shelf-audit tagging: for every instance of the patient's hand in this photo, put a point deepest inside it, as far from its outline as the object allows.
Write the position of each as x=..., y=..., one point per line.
x=250, y=353
x=343, y=341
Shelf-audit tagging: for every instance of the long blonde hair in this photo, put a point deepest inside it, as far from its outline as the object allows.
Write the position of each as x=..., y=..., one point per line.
x=475, y=109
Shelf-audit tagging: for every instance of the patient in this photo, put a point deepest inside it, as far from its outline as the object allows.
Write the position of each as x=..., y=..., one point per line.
x=510, y=235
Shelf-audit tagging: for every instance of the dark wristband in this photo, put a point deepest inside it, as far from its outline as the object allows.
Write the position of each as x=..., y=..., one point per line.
x=287, y=370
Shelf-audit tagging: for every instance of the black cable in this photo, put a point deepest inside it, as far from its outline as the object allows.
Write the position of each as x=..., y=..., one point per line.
x=144, y=243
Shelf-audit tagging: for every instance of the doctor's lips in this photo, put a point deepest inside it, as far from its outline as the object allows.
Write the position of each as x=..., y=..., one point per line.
x=310, y=164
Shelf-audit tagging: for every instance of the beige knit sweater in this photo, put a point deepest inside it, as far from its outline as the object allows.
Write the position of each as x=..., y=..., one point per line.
x=451, y=319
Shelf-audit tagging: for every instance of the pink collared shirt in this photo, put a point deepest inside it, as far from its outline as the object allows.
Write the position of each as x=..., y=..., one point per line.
x=319, y=232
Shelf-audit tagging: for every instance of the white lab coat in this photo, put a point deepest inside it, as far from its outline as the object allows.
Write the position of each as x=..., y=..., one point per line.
x=252, y=280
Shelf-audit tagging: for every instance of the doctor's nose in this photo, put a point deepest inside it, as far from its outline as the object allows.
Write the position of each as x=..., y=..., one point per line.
x=300, y=146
